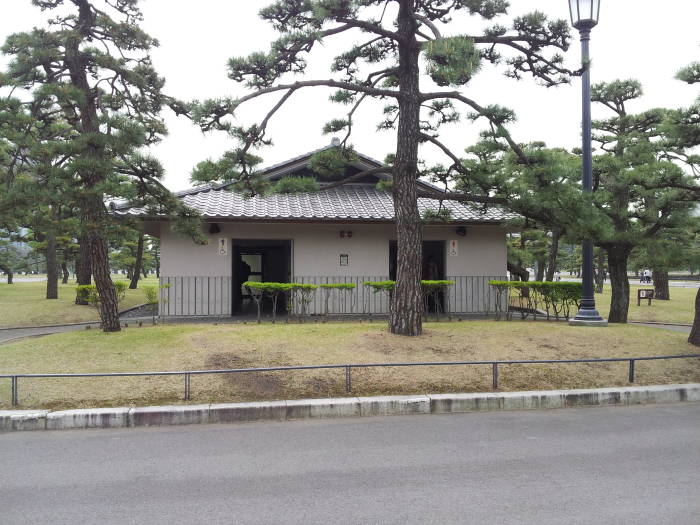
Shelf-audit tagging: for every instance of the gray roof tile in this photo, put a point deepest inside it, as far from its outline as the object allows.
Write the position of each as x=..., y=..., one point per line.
x=350, y=201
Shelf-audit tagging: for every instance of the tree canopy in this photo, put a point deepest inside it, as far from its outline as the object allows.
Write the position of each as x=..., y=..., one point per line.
x=403, y=46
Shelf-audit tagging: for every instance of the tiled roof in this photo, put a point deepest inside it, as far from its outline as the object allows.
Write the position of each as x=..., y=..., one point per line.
x=347, y=202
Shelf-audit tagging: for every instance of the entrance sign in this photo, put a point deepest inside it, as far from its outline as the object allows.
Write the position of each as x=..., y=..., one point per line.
x=223, y=246
x=453, y=249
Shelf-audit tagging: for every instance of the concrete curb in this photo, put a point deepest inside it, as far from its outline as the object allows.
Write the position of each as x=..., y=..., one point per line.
x=125, y=417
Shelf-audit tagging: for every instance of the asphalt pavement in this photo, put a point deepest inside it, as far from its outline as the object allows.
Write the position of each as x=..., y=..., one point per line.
x=636, y=465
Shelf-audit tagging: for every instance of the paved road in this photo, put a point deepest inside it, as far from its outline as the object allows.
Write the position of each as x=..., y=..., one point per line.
x=638, y=465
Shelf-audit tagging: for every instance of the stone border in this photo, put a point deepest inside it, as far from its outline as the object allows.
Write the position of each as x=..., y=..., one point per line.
x=125, y=417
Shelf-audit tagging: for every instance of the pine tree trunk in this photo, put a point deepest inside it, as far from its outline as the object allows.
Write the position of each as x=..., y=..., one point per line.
x=109, y=305
x=51, y=267
x=83, y=267
x=137, y=265
x=94, y=164
x=600, y=272
x=539, y=276
x=661, y=289
x=65, y=272
x=8, y=272
x=406, y=315
x=620, y=299
x=521, y=273
x=145, y=273
x=694, y=337
x=552, y=257
x=156, y=256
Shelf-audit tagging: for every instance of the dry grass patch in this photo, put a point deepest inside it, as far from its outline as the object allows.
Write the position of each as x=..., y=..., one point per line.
x=180, y=347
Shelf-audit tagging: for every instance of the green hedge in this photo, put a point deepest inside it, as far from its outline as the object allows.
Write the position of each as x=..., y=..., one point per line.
x=338, y=286
x=88, y=292
x=151, y=291
x=300, y=292
x=388, y=286
x=556, y=299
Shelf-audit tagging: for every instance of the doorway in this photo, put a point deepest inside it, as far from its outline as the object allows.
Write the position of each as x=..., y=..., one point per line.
x=259, y=260
x=432, y=268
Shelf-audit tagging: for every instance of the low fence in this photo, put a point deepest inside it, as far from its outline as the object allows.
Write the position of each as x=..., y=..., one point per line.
x=473, y=294
x=470, y=294
x=211, y=296
x=361, y=300
x=347, y=368
x=195, y=296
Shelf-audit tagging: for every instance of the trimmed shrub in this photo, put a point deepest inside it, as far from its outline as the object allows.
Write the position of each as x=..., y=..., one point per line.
x=85, y=291
x=431, y=291
x=294, y=291
x=338, y=286
x=89, y=293
x=556, y=299
x=151, y=291
x=381, y=286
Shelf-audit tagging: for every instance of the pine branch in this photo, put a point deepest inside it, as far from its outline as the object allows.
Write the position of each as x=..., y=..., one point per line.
x=482, y=111
x=371, y=28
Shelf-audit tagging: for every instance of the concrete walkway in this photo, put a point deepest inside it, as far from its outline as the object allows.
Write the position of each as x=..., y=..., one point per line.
x=12, y=334
x=8, y=335
x=673, y=327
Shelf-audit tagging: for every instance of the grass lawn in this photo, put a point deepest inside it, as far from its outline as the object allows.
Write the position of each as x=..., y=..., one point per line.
x=25, y=304
x=203, y=346
x=680, y=309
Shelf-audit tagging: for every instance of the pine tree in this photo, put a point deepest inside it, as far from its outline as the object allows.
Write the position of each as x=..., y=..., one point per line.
x=633, y=185
x=637, y=194
x=683, y=133
x=404, y=50
x=92, y=65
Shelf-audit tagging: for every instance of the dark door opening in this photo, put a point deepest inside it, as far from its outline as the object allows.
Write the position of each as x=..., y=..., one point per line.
x=432, y=268
x=262, y=261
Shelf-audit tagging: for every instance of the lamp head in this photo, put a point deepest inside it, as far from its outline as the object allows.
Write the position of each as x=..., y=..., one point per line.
x=584, y=13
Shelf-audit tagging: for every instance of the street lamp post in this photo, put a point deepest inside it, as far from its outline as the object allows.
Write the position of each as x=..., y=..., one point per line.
x=584, y=16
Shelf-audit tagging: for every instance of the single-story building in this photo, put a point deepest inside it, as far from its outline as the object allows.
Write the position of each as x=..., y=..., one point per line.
x=342, y=234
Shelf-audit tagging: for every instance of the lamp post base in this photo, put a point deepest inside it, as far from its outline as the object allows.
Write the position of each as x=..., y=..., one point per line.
x=588, y=322
x=588, y=317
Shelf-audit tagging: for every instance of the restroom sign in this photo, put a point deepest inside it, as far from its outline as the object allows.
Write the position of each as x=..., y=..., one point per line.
x=453, y=249
x=223, y=246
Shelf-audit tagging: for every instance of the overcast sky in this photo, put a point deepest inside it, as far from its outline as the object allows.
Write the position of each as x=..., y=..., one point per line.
x=643, y=39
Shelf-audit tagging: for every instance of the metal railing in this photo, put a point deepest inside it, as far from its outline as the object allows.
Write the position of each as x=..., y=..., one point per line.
x=187, y=374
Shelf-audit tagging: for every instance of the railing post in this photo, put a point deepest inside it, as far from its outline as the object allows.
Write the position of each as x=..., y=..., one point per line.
x=348, y=380
x=631, y=374
x=15, y=393
x=495, y=375
x=187, y=387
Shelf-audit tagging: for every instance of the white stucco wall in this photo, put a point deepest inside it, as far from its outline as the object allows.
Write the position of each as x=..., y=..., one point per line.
x=316, y=249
